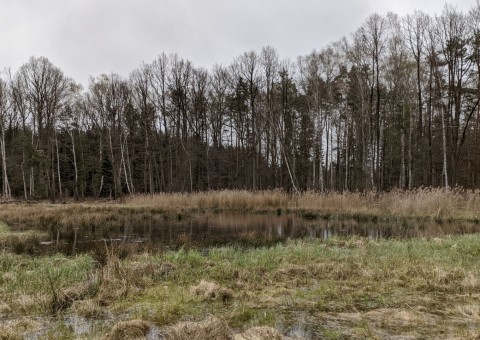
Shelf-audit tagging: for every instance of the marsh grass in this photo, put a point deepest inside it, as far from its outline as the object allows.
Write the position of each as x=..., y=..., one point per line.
x=210, y=328
x=356, y=283
x=416, y=206
x=133, y=329
x=12, y=329
x=28, y=285
x=20, y=242
x=430, y=202
x=320, y=278
x=213, y=200
x=349, y=287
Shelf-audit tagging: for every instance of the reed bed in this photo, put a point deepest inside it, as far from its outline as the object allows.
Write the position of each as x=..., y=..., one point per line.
x=431, y=202
x=423, y=202
x=220, y=200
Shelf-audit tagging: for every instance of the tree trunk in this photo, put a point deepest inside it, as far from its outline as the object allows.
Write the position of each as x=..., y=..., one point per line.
x=401, y=183
x=75, y=167
x=6, y=185
x=444, y=140
x=58, y=167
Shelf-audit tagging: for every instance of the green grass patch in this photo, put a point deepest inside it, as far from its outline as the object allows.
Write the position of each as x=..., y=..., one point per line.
x=27, y=283
x=359, y=284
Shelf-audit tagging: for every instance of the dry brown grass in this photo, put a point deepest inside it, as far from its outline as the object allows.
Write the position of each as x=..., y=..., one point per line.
x=89, y=308
x=406, y=321
x=65, y=298
x=380, y=279
x=5, y=309
x=259, y=333
x=432, y=202
x=25, y=304
x=116, y=281
x=223, y=200
x=133, y=329
x=469, y=311
x=423, y=202
x=212, y=328
x=14, y=329
x=364, y=287
x=211, y=291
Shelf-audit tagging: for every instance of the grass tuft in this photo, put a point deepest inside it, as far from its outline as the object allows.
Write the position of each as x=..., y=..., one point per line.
x=210, y=328
x=133, y=329
x=259, y=333
x=211, y=291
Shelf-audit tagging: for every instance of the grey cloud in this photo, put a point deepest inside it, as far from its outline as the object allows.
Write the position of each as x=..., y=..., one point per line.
x=89, y=37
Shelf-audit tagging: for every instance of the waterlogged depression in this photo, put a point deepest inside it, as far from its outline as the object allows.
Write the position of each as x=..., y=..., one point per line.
x=217, y=229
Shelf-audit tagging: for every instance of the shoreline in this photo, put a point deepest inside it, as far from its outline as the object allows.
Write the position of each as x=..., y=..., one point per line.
x=334, y=288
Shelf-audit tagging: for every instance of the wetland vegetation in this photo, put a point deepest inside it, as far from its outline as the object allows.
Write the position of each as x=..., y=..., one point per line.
x=342, y=286
x=139, y=239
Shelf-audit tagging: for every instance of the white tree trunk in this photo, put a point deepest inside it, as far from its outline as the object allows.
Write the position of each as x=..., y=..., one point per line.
x=6, y=185
x=290, y=174
x=58, y=167
x=32, y=182
x=123, y=165
x=75, y=161
x=445, y=165
x=401, y=183
x=129, y=168
x=23, y=177
x=410, y=158
x=347, y=163
x=115, y=179
x=320, y=163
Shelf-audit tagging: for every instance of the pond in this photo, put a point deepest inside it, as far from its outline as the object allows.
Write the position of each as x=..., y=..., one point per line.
x=217, y=229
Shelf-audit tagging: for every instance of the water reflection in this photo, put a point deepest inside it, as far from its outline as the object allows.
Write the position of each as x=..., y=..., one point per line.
x=220, y=229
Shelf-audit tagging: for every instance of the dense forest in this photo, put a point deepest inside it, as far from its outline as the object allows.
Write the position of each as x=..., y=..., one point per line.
x=395, y=105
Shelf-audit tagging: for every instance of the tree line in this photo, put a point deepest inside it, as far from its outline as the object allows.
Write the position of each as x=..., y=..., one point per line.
x=395, y=105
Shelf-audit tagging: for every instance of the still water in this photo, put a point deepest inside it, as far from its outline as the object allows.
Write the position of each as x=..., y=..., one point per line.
x=206, y=230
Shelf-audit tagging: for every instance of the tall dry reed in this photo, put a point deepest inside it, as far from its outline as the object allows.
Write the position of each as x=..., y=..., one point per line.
x=224, y=200
x=432, y=202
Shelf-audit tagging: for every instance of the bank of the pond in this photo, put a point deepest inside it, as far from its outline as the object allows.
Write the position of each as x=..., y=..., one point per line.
x=80, y=228
x=437, y=203
x=420, y=202
x=334, y=288
x=20, y=242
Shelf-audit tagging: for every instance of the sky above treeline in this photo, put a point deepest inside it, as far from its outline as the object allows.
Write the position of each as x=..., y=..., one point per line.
x=90, y=37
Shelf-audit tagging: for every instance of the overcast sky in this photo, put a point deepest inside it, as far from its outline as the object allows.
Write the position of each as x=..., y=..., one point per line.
x=89, y=37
